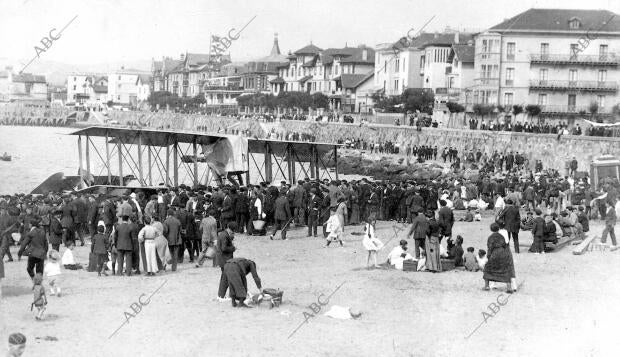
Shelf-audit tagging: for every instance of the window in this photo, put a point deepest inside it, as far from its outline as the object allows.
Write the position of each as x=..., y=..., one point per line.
x=574, y=24
x=603, y=51
x=602, y=75
x=510, y=51
x=384, y=66
x=118, y=97
x=396, y=84
x=119, y=78
x=508, y=99
x=572, y=101
x=572, y=75
x=74, y=87
x=510, y=76
x=75, y=79
x=543, y=75
x=544, y=49
x=397, y=65
x=403, y=65
x=600, y=100
x=542, y=99
x=485, y=46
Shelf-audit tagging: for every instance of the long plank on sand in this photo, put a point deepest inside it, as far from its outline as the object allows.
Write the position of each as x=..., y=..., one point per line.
x=583, y=246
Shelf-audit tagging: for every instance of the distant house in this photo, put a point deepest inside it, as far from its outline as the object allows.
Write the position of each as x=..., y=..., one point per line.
x=22, y=88
x=143, y=85
x=87, y=89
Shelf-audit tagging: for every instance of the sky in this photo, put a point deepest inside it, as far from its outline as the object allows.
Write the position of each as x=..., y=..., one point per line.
x=133, y=30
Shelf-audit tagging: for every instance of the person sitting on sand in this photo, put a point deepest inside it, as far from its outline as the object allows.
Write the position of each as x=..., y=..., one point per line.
x=469, y=216
x=481, y=258
x=470, y=261
x=398, y=255
x=68, y=260
x=456, y=252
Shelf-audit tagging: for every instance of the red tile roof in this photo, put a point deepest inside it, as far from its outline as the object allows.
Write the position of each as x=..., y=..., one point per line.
x=558, y=19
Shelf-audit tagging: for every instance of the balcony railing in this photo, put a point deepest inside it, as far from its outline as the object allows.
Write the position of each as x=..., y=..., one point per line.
x=608, y=59
x=487, y=81
x=592, y=86
x=571, y=109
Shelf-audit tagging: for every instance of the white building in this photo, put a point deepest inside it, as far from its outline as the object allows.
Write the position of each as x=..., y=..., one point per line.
x=22, y=88
x=562, y=60
x=123, y=86
x=420, y=64
x=335, y=72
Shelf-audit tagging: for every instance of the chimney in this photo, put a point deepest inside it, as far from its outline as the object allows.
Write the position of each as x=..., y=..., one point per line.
x=456, y=37
x=364, y=55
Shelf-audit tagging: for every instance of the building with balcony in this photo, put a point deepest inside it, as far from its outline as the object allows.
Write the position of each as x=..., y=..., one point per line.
x=185, y=76
x=87, y=89
x=421, y=64
x=562, y=60
x=342, y=74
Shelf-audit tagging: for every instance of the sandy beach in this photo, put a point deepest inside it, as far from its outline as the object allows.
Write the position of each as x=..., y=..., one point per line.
x=566, y=305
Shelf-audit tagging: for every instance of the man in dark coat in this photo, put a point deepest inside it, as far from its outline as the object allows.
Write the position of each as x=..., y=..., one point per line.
x=282, y=215
x=299, y=202
x=419, y=230
x=172, y=232
x=236, y=270
x=224, y=250
x=314, y=210
x=242, y=209
x=512, y=222
x=446, y=220
x=36, y=244
x=228, y=209
x=123, y=243
x=92, y=216
x=56, y=230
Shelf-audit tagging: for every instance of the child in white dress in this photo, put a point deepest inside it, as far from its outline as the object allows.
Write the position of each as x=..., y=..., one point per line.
x=334, y=228
x=53, y=273
x=371, y=243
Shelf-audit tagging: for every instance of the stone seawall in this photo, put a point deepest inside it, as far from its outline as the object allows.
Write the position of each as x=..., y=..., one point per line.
x=546, y=147
x=553, y=152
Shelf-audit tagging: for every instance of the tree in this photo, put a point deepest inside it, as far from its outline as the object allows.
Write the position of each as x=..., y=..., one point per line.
x=517, y=109
x=593, y=109
x=319, y=100
x=455, y=107
x=482, y=109
x=414, y=99
x=533, y=110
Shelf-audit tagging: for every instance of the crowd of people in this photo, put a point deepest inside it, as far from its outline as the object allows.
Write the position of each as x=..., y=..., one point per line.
x=144, y=232
x=561, y=128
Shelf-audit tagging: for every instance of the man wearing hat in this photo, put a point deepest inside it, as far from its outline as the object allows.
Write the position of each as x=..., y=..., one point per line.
x=37, y=245
x=313, y=209
x=172, y=232
x=56, y=230
x=282, y=214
